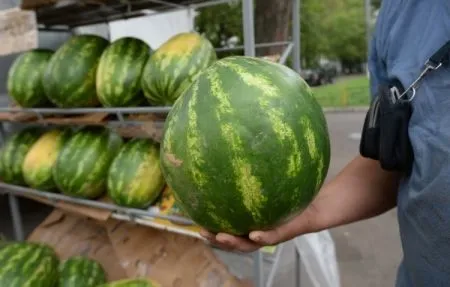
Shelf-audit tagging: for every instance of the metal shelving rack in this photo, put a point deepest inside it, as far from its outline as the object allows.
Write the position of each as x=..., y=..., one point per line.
x=82, y=13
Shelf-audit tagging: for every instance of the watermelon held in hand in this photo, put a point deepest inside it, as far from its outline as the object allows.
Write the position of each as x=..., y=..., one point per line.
x=13, y=153
x=69, y=79
x=82, y=165
x=79, y=271
x=246, y=147
x=24, y=83
x=118, y=80
x=174, y=66
x=28, y=264
x=38, y=164
x=135, y=178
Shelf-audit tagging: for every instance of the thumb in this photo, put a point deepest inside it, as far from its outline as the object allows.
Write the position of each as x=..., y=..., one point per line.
x=287, y=231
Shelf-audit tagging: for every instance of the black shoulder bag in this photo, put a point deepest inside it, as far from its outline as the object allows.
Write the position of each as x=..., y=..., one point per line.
x=385, y=132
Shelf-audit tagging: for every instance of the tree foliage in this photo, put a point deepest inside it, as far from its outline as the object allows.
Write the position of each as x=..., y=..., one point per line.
x=331, y=29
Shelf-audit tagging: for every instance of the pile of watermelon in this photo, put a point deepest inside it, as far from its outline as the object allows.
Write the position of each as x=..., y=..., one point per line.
x=245, y=145
x=37, y=265
x=90, y=71
x=88, y=162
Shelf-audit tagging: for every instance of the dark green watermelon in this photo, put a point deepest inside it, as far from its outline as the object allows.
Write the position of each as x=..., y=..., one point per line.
x=135, y=178
x=246, y=146
x=79, y=271
x=174, y=66
x=24, y=81
x=13, y=153
x=69, y=79
x=26, y=264
x=119, y=72
x=82, y=165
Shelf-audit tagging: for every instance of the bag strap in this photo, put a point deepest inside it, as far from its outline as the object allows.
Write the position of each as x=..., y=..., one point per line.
x=438, y=59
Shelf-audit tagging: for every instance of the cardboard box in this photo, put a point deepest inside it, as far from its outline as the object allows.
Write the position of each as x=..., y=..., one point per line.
x=126, y=250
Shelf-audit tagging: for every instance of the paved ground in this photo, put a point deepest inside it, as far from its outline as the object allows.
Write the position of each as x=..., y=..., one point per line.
x=368, y=252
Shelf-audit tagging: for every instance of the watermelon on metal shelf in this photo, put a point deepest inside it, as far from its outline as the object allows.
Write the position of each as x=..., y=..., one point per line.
x=13, y=153
x=118, y=79
x=82, y=165
x=28, y=264
x=69, y=79
x=24, y=83
x=174, y=66
x=38, y=164
x=135, y=178
x=246, y=146
x=79, y=271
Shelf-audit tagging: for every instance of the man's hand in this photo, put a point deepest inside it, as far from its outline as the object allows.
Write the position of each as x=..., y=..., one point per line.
x=300, y=224
x=362, y=190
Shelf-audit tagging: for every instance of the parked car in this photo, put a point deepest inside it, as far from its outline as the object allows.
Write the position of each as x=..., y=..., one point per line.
x=319, y=76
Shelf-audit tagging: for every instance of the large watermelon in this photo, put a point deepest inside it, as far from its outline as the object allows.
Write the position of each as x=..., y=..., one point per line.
x=24, y=82
x=135, y=178
x=69, y=80
x=132, y=283
x=25, y=264
x=38, y=164
x=174, y=65
x=246, y=146
x=82, y=165
x=119, y=73
x=13, y=153
x=79, y=271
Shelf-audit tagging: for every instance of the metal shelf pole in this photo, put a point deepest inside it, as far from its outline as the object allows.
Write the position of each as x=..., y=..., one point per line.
x=249, y=27
x=258, y=272
x=16, y=217
x=296, y=34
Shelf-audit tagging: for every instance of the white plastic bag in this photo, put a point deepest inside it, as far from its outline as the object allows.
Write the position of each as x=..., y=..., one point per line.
x=318, y=256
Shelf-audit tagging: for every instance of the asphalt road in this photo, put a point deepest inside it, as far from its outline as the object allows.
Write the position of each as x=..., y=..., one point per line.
x=368, y=252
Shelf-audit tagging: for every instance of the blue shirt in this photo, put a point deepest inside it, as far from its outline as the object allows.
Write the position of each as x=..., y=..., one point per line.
x=407, y=33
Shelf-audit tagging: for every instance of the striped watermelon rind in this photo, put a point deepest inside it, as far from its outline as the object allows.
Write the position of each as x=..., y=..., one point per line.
x=118, y=79
x=135, y=178
x=137, y=282
x=28, y=264
x=37, y=167
x=69, y=79
x=246, y=147
x=82, y=165
x=24, y=81
x=79, y=271
x=172, y=68
x=13, y=153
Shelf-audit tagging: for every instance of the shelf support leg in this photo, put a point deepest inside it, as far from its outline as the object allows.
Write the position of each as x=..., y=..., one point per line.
x=16, y=217
x=297, y=266
x=296, y=34
x=258, y=268
x=249, y=27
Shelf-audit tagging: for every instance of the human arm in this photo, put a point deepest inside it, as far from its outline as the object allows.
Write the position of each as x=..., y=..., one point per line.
x=361, y=190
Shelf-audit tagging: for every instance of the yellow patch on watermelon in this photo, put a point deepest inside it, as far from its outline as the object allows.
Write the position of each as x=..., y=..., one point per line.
x=310, y=137
x=35, y=158
x=180, y=45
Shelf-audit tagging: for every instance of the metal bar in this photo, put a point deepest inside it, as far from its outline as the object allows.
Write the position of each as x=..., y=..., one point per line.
x=258, y=266
x=210, y=3
x=133, y=110
x=297, y=266
x=249, y=27
x=286, y=54
x=260, y=45
x=274, y=269
x=296, y=35
x=19, y=190
x=16, y=217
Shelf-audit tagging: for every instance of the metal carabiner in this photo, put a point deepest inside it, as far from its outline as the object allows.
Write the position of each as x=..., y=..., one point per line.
x=429, y=66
